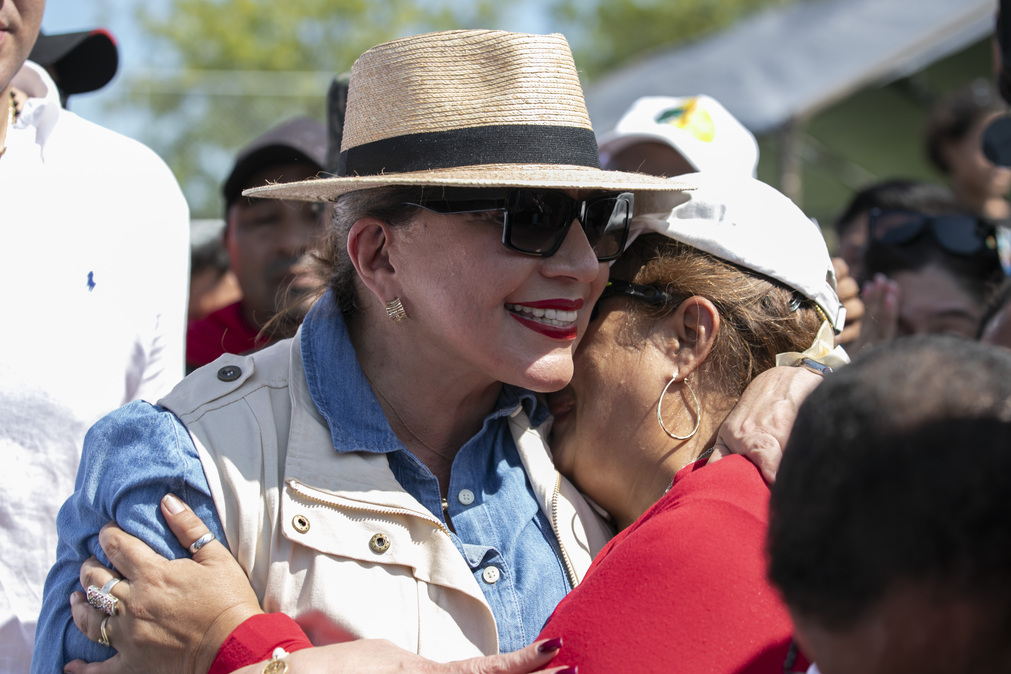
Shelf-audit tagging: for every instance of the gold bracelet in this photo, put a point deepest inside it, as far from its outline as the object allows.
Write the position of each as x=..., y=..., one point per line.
x=277, y=665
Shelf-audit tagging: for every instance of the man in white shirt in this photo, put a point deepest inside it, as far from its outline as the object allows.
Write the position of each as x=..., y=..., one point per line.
x=94, y=254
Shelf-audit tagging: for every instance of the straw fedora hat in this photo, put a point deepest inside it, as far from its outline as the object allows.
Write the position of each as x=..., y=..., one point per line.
x=468, y=108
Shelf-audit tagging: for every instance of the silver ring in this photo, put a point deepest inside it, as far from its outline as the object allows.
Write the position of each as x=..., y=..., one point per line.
x=104, y=639
x=102, y=599
x=201, y=542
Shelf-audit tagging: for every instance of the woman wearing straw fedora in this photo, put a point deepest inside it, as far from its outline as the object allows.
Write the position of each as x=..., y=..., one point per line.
x=383, y=474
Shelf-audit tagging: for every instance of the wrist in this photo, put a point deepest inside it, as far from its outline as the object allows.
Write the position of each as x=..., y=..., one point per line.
x=218, y=634
x=255, y=639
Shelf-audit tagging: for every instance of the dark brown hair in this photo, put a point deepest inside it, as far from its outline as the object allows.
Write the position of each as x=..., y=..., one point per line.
x=330, y=263
x=757, y=320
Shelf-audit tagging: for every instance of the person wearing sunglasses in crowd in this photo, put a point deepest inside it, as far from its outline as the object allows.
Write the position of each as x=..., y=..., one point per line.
x=851, y=225
x=928, y=273
x=383, y=474
x=694, y=310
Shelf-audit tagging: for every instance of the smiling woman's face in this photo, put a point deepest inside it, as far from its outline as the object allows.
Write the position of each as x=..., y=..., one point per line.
x=478, y=308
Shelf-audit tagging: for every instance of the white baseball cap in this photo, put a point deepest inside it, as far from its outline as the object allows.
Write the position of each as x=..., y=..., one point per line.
x=752, y=225
x=698, y=127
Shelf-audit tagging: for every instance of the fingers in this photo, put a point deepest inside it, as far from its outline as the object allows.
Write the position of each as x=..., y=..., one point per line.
x=128, y=554
x=846, y=286
x=93, y=573
x=87, y=618
x=761, y=448
x=890, y=309
x=760, y=424
x=189, y=529
x=110, y=666
x=848, y=291
x=533, y=658
x=719, y=451
x=881, y=299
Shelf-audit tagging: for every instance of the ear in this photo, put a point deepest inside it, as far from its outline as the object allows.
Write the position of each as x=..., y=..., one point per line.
x=691, y=331
x=370, y=243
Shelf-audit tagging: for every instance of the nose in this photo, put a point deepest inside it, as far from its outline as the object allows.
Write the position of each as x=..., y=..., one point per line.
x=575, y=258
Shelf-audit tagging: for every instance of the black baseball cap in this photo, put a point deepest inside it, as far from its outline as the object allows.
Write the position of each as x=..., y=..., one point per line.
x=298, y=140
x=82, y=61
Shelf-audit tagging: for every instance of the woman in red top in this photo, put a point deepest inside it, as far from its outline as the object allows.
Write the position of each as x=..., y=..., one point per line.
x=685, y=323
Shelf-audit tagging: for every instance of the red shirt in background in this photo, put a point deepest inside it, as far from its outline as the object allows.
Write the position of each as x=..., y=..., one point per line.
x=224, y=331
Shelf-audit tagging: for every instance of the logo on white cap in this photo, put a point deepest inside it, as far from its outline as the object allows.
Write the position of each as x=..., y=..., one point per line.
x=691, y=118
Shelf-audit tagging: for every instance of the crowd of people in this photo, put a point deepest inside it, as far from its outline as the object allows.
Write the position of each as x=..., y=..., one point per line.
x=492, y=393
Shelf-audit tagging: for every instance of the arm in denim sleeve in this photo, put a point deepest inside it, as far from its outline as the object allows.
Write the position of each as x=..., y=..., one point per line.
x=132, y=457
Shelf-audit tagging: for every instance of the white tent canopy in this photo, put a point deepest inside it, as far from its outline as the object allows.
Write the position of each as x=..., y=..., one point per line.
x=788, y=63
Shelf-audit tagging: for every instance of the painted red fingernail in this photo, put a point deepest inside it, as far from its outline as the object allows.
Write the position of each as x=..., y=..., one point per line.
x=568, y=670
x=550, y=645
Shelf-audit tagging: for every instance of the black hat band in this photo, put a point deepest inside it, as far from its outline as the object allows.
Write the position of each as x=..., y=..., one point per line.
x=472, y=146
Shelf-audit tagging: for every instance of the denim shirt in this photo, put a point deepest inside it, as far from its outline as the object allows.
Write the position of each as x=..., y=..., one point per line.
x=135, y=455
x=499, y=528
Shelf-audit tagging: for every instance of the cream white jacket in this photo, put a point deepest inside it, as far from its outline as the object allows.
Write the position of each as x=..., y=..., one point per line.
x=332, y=539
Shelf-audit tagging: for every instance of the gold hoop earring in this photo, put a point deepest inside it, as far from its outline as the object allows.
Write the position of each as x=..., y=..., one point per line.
x=395, y=310
x=698, y=410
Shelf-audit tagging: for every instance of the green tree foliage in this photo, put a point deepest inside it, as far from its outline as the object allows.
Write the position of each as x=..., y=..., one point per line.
x=229, y=69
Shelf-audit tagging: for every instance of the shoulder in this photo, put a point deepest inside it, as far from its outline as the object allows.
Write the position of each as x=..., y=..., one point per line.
x=712, y=515
x=116, y=167
x=230, y=379
x=131, y=422
x=732, y=484
x=82, y=134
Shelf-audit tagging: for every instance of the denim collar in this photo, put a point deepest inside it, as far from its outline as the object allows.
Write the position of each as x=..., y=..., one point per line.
x=344, y=397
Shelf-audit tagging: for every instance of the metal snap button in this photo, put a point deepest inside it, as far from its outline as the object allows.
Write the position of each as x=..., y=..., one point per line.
x=466, y=496
x=491, y=574
x=380, y=543
x=301, y=523
x=229, y=373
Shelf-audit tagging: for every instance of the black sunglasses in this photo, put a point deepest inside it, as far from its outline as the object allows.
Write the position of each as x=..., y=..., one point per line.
x=955, y=233
x=536, y=221
x=647, y=294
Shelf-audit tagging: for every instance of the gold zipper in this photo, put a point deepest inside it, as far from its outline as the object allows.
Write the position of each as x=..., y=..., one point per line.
x=554, y=525
x=301, y=490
